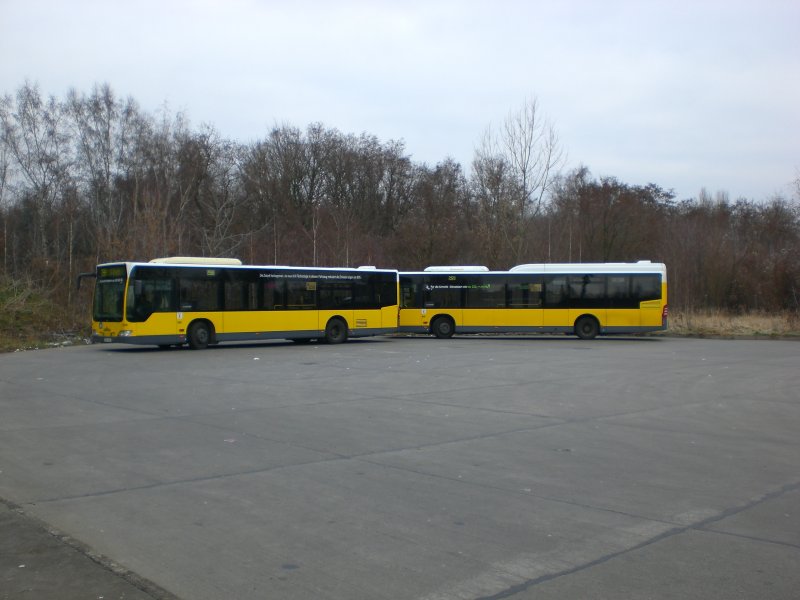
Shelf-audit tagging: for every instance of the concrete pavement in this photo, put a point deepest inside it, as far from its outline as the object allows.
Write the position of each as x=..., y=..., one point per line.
x=39, y=562
x=403, y=468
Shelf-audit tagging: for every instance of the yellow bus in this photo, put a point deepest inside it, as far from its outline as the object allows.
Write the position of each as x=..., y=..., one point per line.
x=199, y=302
x=585, y=299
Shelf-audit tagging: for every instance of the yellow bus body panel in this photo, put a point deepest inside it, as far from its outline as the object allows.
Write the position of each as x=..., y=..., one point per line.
x=556, y=317
x=388, y=316
x=421, y=317
x=410, y=317
x=502, y=317
x=651, y=312
x=623, y=317
x=157, y=324
x=253, y=321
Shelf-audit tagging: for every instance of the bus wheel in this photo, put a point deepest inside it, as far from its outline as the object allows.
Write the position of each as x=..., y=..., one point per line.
x=587, y=328
x=443, y=327
x=199, y=335
x=336, y=331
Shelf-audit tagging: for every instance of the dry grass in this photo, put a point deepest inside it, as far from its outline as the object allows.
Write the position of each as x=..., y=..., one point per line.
x=29, y=319
x=714, y=323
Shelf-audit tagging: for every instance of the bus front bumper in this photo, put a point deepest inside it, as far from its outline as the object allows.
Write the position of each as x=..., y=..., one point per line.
x=141, y=340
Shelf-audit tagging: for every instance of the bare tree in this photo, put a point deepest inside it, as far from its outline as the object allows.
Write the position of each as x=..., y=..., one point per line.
x=528, y=145
x=34, y=134
x=494, y=192
x=109, y=136
x=4, y=179
x=532, y=149
x=340, y=197
x=395, y=187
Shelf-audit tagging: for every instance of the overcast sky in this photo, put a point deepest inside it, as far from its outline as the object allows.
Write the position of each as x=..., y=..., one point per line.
x=684, y=94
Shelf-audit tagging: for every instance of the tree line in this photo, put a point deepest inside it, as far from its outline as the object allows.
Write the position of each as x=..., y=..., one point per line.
x=92, y=178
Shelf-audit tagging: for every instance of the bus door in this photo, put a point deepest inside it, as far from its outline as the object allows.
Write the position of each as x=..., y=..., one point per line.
x=410, y=314
x=151, y=302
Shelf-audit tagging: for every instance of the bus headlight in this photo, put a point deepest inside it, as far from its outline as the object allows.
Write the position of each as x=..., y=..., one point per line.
x=125, y=333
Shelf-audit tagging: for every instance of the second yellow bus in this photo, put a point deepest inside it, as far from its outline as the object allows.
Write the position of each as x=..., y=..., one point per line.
x=585, y=299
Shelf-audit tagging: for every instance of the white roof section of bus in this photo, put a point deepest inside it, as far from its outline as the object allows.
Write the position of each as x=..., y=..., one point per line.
x=195, y=260
x=642, y=266
x=457, y=269
x=235, y=263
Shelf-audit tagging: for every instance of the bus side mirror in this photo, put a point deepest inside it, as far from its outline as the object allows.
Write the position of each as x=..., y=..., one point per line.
x=81, y=276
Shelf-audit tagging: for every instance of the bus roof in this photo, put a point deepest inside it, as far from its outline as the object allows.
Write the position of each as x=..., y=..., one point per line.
x=456, y=268
x=195, y=260
x=235, y=264
x=642, y=266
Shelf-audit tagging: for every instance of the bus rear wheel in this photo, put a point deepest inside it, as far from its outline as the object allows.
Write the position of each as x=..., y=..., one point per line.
x=587, y=328
x=443, y=327
x=336, y=331
x=199, y=335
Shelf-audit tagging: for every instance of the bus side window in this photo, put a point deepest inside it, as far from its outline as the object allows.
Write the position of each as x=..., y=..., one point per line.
x=524, y=293
x=161, y=302
x=646, y=287
x=235, y=293
x=619, y=295
x=335, y=295
x=443, y=292
x=555, y=292
x=148, y=294
x=271, y=294
x=587, y=291
x=484, y=292
x=200, y=291
x=300, y=294
x=185, y=303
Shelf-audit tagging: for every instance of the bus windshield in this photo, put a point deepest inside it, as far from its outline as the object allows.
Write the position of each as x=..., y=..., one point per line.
x=109, y=292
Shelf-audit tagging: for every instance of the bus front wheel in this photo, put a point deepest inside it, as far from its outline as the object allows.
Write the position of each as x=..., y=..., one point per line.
x=587, y=328
x=336, y=331
x=443, y=327
x=199, y=335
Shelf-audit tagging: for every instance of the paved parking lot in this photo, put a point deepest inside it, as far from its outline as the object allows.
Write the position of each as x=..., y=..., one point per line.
x=477, y=467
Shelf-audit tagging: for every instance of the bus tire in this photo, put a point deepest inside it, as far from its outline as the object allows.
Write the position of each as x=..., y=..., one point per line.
x=443, y=327
x=199, y=335
x=587, y=328
x=336, y=331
